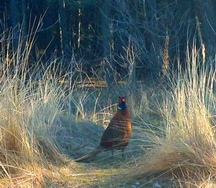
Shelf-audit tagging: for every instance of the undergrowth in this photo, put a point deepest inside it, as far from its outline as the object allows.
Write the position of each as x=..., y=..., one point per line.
x=186, y=149
x=46, y=121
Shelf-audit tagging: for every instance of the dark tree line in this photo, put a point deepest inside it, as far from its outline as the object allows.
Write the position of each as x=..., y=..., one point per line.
x=117, y=37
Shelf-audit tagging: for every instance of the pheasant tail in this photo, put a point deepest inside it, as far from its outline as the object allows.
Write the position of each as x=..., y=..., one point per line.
x=90, y=155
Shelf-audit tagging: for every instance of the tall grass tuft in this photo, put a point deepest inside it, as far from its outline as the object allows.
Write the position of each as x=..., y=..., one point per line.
x=186, y=149
x=29, y=102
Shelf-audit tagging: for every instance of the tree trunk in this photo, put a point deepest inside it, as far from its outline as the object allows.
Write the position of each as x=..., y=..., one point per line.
x=24, y=17
x=63, y=26
x=108, y=64
x=14, y=14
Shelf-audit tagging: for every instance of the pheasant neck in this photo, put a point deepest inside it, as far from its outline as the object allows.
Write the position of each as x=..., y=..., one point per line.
x=125, y=113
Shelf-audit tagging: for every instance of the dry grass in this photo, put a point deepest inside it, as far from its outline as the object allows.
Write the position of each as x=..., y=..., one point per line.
x=43, y=127
x=186, y=150
x=38, y=117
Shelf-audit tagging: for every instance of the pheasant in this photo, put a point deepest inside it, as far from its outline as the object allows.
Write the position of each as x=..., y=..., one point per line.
x=117, y=134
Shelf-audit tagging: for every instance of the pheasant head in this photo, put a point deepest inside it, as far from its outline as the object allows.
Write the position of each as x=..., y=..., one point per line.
x=122, y=107
x=122, y=103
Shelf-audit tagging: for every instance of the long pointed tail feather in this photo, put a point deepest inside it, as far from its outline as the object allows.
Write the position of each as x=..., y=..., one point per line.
x=90, y=155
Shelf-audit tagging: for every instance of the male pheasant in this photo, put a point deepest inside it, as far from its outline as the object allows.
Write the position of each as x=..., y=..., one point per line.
x=117, y=134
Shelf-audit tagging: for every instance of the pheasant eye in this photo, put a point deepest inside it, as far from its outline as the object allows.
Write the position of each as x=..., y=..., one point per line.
x=122, y=99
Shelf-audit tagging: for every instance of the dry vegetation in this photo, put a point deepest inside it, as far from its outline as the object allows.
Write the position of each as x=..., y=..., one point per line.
x=186, y=151
x=44, y=125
